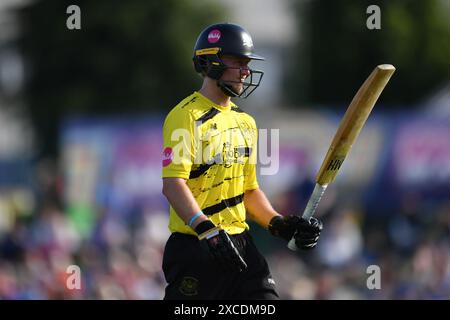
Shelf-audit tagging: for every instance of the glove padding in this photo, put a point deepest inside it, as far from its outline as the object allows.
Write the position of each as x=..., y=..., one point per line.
x=220, y=246
x=305, y=233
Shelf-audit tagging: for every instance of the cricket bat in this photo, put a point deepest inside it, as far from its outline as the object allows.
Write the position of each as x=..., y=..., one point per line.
x=349, y=128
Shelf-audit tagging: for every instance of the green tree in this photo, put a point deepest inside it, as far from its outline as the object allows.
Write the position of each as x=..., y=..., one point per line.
x=129, y=56
x=337, y=51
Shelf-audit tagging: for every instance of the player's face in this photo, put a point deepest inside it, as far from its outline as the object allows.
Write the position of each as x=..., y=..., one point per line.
x=236, y=73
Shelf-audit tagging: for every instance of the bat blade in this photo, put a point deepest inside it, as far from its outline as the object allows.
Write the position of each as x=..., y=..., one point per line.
x=352, y=122
x=349, y=128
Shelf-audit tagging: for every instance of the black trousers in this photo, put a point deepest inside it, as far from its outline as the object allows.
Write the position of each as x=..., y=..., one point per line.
x=192, y=274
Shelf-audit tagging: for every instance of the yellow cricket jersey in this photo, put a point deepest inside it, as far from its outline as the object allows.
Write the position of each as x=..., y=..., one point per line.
x=214, y=149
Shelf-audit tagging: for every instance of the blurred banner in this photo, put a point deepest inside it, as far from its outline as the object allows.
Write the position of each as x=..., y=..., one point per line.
x=421, y=155
x=114, y=164
x=111, y=166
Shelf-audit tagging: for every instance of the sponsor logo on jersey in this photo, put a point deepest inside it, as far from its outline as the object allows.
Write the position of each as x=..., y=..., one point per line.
x=167, y=156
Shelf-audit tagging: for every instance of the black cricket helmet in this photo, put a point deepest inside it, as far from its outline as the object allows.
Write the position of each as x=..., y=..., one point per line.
x=228, y=39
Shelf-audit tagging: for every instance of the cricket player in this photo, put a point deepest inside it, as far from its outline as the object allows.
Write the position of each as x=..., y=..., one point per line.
x=209, y=179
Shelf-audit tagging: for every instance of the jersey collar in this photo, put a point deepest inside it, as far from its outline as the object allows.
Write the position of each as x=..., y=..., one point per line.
x=217, y=106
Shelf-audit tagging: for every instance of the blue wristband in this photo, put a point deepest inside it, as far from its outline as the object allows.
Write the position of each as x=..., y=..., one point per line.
x=195, y=217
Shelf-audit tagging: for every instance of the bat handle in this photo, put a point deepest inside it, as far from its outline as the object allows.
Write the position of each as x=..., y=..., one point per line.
x=311, y=207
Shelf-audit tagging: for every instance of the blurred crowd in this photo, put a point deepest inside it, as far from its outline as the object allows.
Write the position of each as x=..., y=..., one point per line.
x=119, y=261
x=409, y=248
x=121, y=257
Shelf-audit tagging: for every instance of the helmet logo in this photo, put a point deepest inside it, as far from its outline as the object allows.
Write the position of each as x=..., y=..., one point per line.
x=247, y=40
x=214, y=36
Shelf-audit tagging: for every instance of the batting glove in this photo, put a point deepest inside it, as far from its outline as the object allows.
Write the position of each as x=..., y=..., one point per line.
x=220, y=246
x=305, y=233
